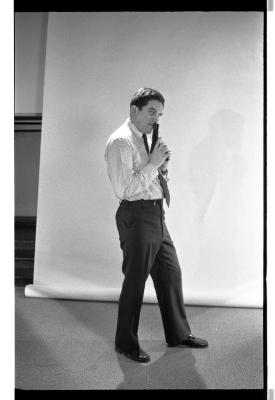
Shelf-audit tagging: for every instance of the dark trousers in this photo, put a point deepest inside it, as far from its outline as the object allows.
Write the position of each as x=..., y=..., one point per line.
x=148, y=249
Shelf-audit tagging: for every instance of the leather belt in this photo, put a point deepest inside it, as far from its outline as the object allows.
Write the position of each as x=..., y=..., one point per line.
x=141, y=203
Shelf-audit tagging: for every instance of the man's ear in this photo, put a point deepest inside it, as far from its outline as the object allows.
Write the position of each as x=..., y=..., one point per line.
x=133, y=110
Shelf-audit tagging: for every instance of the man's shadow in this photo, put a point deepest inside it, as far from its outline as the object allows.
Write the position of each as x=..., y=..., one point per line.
x=175, y=369
x=216, y=154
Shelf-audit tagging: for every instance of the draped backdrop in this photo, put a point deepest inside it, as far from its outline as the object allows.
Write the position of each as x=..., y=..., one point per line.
x=209, y=67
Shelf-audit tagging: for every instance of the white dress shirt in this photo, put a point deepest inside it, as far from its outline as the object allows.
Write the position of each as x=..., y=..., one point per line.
x=132, y=176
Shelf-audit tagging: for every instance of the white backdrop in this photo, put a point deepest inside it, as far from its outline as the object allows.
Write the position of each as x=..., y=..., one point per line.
x=209, y=67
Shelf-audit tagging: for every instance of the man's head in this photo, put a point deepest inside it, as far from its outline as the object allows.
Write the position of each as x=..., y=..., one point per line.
x=146, y=107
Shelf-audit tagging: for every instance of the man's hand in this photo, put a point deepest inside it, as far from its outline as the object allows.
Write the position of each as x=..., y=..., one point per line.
x=159, y=154
x=164, y=165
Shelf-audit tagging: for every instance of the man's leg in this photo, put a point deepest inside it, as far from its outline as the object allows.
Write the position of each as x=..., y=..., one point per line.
x=166, y=275
x=140, y=245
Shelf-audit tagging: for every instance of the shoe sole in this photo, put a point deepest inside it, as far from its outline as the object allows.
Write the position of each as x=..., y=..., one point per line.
x=188, y=345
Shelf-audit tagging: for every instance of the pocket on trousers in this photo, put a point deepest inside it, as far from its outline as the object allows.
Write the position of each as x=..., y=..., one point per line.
x=131, y=218
x=125, y=218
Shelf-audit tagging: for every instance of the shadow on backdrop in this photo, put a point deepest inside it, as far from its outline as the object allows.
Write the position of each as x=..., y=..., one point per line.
x=218, y=152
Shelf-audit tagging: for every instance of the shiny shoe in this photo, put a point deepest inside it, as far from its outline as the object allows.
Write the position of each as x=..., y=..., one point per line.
x=192, y=341
x=139, y=356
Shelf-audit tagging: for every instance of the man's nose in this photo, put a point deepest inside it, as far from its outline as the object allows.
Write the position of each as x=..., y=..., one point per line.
x=156, y=120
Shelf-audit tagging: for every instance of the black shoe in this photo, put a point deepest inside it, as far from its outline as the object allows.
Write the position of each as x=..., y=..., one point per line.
x=136, y=355
x=192, y=341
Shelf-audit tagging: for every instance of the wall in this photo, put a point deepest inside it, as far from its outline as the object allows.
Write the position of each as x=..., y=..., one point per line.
x=30, y=51
x=30, y=33
x=209, y=67
x=26, y=170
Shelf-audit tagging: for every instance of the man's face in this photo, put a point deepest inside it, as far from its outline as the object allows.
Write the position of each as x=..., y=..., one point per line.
x=144, y=118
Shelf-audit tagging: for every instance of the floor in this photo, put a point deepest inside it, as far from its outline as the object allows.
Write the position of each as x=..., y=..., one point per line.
x=69, y=344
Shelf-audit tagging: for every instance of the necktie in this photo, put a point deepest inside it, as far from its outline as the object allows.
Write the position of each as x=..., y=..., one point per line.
x=162, y=180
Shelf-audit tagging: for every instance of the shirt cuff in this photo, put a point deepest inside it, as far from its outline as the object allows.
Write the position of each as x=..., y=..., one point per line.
x=165, y=175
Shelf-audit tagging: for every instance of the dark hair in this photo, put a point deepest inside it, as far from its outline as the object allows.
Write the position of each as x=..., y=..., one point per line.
x=143, y=95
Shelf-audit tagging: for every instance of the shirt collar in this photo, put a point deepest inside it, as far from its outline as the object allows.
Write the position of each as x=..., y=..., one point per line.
x=133, y=128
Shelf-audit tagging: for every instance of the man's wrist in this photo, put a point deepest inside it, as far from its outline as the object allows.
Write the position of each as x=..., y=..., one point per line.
x=150, y=169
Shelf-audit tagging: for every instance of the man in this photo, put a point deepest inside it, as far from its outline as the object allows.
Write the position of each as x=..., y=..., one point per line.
x=138, y=180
